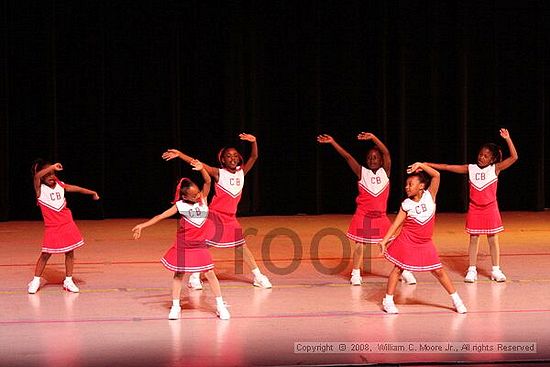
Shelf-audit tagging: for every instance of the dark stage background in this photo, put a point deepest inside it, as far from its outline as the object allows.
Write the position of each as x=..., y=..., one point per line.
x=105, y=87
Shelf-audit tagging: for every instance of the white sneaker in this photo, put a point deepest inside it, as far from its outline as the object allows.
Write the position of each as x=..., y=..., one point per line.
x=356, y=280
x=459, y=306
x=408, y=277
x=471, y=276
x=33, y=286
x=262, y=281
x=498, y=276
x=222, y=312
x=389, y=306
x=175, y=313
x=69, y=285
x=195, y=282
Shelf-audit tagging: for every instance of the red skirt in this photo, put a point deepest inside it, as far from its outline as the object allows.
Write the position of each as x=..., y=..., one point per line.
x=408, y=255
x=368, y=229
x=61, y=238
x=227, y=231
x=188, y=258
x=483, y=220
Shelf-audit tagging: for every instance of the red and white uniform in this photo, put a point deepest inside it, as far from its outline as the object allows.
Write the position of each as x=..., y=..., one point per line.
x=413, y=249
x=60, y=231
x=483, y=214
x=223, y=209
x=189, y=253
x=370, y=222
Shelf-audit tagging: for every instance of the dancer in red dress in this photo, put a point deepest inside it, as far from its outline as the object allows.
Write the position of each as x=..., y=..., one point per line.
x=413, y=249
x=189, y=252
x=229, y=180
x=370, y=222
x=61, y=235
x=483, y=216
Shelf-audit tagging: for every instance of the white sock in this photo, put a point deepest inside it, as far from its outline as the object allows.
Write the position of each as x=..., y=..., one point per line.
x=495, y=268
x=389, y=297
x=195, y=276
x=256, y=272
x=219, y=301
x=455, y=297
x=472, y=267
x=175, y=303
x=68, y=278
x=36, y=279
x=356, y=272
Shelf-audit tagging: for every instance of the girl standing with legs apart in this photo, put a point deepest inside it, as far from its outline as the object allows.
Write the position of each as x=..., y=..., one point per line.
x=370, y=222
x=61, y=235
x=229, y=180
x=189, y=252
x=483, y=213
x=413, y=248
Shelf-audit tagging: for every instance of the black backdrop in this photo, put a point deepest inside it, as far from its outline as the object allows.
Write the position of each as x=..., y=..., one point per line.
x=106, y=86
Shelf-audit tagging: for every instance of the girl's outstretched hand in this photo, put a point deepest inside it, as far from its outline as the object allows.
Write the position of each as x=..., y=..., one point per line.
x=415, y=167
x=170, y=154
x=248, y=137
x=95, y=196
x=197, y=165
x=57, y=167
x=382, y=246
x=504, y=133
x=365, y=136
x=137, y=231
x=324, y=139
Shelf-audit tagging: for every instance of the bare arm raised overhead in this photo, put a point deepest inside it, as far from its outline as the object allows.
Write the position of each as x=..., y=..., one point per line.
x=501, y=166
x=174, y=153
x=385, y=151
x=253, y=154
x=352, y=163
x=434, y=174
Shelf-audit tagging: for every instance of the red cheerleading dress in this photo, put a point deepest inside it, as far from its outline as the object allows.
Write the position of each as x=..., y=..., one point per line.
x=370, y=223
x=223, y=209
x=413, y=249
x=483, y=214
x=61, y=234
x=189, y=253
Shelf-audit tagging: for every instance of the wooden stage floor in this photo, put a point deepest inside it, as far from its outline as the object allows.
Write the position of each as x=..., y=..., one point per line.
x=120, y=316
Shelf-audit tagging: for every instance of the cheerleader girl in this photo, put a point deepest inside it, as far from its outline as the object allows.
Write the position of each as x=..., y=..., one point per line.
x=370, y=222
x=189, y=252
x=413, y=248
x=483, y=216
x=61, y=235
x=229, y=180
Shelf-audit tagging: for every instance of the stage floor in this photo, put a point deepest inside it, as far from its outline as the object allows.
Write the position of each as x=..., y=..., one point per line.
x=120, y=316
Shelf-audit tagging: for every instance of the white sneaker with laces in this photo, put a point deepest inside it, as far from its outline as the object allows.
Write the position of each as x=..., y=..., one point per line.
x=356, y=280
x=408, y=277
x=262, y=281
x=222, y=312
x=471, y=276
x=69, y=285
x=175, y=313
x=498, y=276
x=195, y=282
x=33, y=286
x=389, y=306
x=459, y=306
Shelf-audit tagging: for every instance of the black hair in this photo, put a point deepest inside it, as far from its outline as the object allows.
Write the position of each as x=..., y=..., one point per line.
x=183, y=185
x=37, y=165
x=423, y=177
x=495, y=150
x=222, y=152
